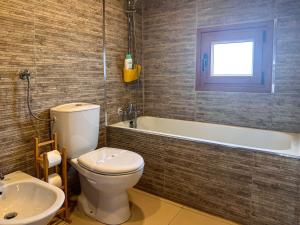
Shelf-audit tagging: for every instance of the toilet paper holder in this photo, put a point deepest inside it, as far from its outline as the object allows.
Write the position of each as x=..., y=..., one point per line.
x=42, y=169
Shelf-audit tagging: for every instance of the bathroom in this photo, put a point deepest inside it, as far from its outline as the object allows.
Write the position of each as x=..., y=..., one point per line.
x=213, y=154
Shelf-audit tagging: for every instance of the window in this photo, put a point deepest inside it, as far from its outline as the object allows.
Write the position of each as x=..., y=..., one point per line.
x=232, y=59
x=235, y=58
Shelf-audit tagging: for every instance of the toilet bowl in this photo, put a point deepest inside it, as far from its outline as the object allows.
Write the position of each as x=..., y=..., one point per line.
x=106, y=173
x=105, y=176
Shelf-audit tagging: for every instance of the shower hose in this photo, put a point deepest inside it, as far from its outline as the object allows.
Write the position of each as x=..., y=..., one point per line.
x=29, y=105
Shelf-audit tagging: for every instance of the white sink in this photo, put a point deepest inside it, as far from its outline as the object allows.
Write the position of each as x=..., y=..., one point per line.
x=25, y=200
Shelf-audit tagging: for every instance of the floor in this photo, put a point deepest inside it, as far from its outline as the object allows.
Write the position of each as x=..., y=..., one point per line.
x=149, y=209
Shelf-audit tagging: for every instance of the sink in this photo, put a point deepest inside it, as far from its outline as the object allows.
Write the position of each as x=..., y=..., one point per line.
x=25, y=200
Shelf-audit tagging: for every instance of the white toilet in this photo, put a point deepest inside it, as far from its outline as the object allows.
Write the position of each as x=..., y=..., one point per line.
x=105, y=173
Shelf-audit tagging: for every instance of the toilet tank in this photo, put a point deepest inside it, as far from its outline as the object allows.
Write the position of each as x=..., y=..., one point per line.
x=77, y=127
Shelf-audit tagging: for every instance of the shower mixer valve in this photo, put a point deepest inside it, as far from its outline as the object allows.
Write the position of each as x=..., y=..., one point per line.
x=24, y=74
x=129, y=112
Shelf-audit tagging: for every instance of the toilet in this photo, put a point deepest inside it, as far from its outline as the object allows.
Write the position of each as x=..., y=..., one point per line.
x=105, y=173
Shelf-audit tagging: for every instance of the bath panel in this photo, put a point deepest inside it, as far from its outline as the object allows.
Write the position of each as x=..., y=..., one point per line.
x=244, y=185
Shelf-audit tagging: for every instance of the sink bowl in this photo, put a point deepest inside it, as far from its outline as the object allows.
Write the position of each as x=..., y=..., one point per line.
x=25, y=200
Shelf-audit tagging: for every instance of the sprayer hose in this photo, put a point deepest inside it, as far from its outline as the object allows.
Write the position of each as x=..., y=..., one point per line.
x=28, y=104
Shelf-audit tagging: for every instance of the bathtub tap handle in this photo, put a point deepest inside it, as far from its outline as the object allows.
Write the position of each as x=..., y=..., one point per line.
x=120, y=111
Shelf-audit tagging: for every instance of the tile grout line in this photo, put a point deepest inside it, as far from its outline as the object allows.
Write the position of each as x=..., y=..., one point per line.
x=207, y=215
x=173, y=219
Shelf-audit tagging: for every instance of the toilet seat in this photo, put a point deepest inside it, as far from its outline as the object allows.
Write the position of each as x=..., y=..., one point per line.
x=111, y=161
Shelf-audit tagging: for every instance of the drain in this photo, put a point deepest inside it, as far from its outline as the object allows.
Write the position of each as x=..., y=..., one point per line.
x=11, y=215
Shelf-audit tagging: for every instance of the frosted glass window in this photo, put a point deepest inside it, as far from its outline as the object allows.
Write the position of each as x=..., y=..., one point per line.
x=232, y=59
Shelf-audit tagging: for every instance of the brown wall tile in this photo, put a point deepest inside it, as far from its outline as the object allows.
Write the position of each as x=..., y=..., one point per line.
x=169, y=31
x=61, y=42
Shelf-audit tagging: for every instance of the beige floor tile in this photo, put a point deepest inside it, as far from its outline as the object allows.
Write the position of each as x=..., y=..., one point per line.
x=148, y=209
x=131, y=191
x=188, y=216
x=151, y=210
x=79, y=218
x=210, y=215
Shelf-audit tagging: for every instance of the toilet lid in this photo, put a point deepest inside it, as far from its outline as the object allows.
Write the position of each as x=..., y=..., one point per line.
x=111, y=161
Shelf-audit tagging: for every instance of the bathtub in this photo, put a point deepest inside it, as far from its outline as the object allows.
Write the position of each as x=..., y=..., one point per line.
x=286, y=144
x=223, y=170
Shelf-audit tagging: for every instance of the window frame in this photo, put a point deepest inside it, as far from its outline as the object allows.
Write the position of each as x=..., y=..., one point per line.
x=261, y=81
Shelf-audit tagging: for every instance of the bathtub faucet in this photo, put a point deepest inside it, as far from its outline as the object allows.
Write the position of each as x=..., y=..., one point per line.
x=132, y=112
x=129, y=112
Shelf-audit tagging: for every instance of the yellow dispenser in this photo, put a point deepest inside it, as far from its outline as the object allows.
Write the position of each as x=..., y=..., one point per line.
x=132, y=75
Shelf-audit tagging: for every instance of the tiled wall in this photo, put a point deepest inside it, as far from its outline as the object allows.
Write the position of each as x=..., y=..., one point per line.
x=61, y=43
x=169, y=49
x=251, y=188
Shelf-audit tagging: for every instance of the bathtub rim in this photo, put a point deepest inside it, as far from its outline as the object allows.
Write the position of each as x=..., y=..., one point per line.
x=290, y=153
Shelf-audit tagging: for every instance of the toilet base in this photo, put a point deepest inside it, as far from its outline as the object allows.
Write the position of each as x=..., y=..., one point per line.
x=104, y=197
x=111, y=208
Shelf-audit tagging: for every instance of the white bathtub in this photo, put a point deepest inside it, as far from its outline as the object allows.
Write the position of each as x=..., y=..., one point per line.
x=262, y=140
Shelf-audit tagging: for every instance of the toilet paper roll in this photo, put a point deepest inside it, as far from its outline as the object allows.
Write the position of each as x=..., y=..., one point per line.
x=54, y=158
x=55, y=179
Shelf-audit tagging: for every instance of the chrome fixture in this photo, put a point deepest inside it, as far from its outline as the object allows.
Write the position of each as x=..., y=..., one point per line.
x=129, y=112
x=131, y=10
x=25, y=75
x=132, y=113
